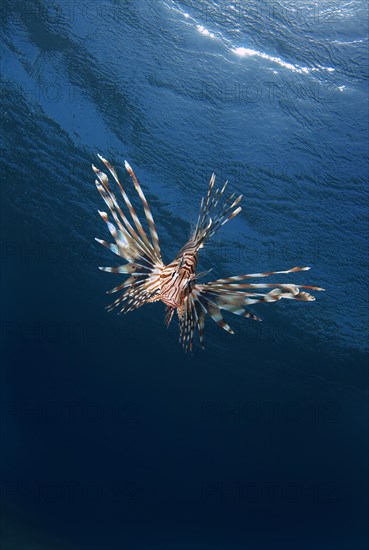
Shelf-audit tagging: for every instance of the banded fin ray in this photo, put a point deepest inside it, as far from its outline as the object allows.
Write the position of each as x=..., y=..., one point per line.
x=210, y=217
x=176, y=284
x=225, y=294
x=123, y=223
x=151, y=224
x=144, y=264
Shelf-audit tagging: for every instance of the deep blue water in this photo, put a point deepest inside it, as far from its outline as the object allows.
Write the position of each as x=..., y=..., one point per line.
x=112, y=437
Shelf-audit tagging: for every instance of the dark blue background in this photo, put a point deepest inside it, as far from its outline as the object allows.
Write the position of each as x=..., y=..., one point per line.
x=112, y=437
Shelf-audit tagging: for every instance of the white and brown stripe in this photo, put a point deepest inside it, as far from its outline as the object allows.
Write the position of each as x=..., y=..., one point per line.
x=176, y=284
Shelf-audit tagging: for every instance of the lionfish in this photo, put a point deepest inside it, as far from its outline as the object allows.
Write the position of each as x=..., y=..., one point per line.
x=176, y=284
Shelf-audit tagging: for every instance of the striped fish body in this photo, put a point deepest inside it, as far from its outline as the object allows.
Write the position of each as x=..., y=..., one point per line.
x=177, y=278
x=175, y=284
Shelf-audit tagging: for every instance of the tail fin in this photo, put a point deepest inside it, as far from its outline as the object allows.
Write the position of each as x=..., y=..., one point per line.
x=211, y=216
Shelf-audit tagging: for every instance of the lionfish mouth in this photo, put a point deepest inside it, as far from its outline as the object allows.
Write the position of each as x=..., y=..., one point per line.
x=149, y=280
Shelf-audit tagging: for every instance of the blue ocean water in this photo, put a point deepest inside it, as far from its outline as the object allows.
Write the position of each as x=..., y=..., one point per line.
x=112, y=437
